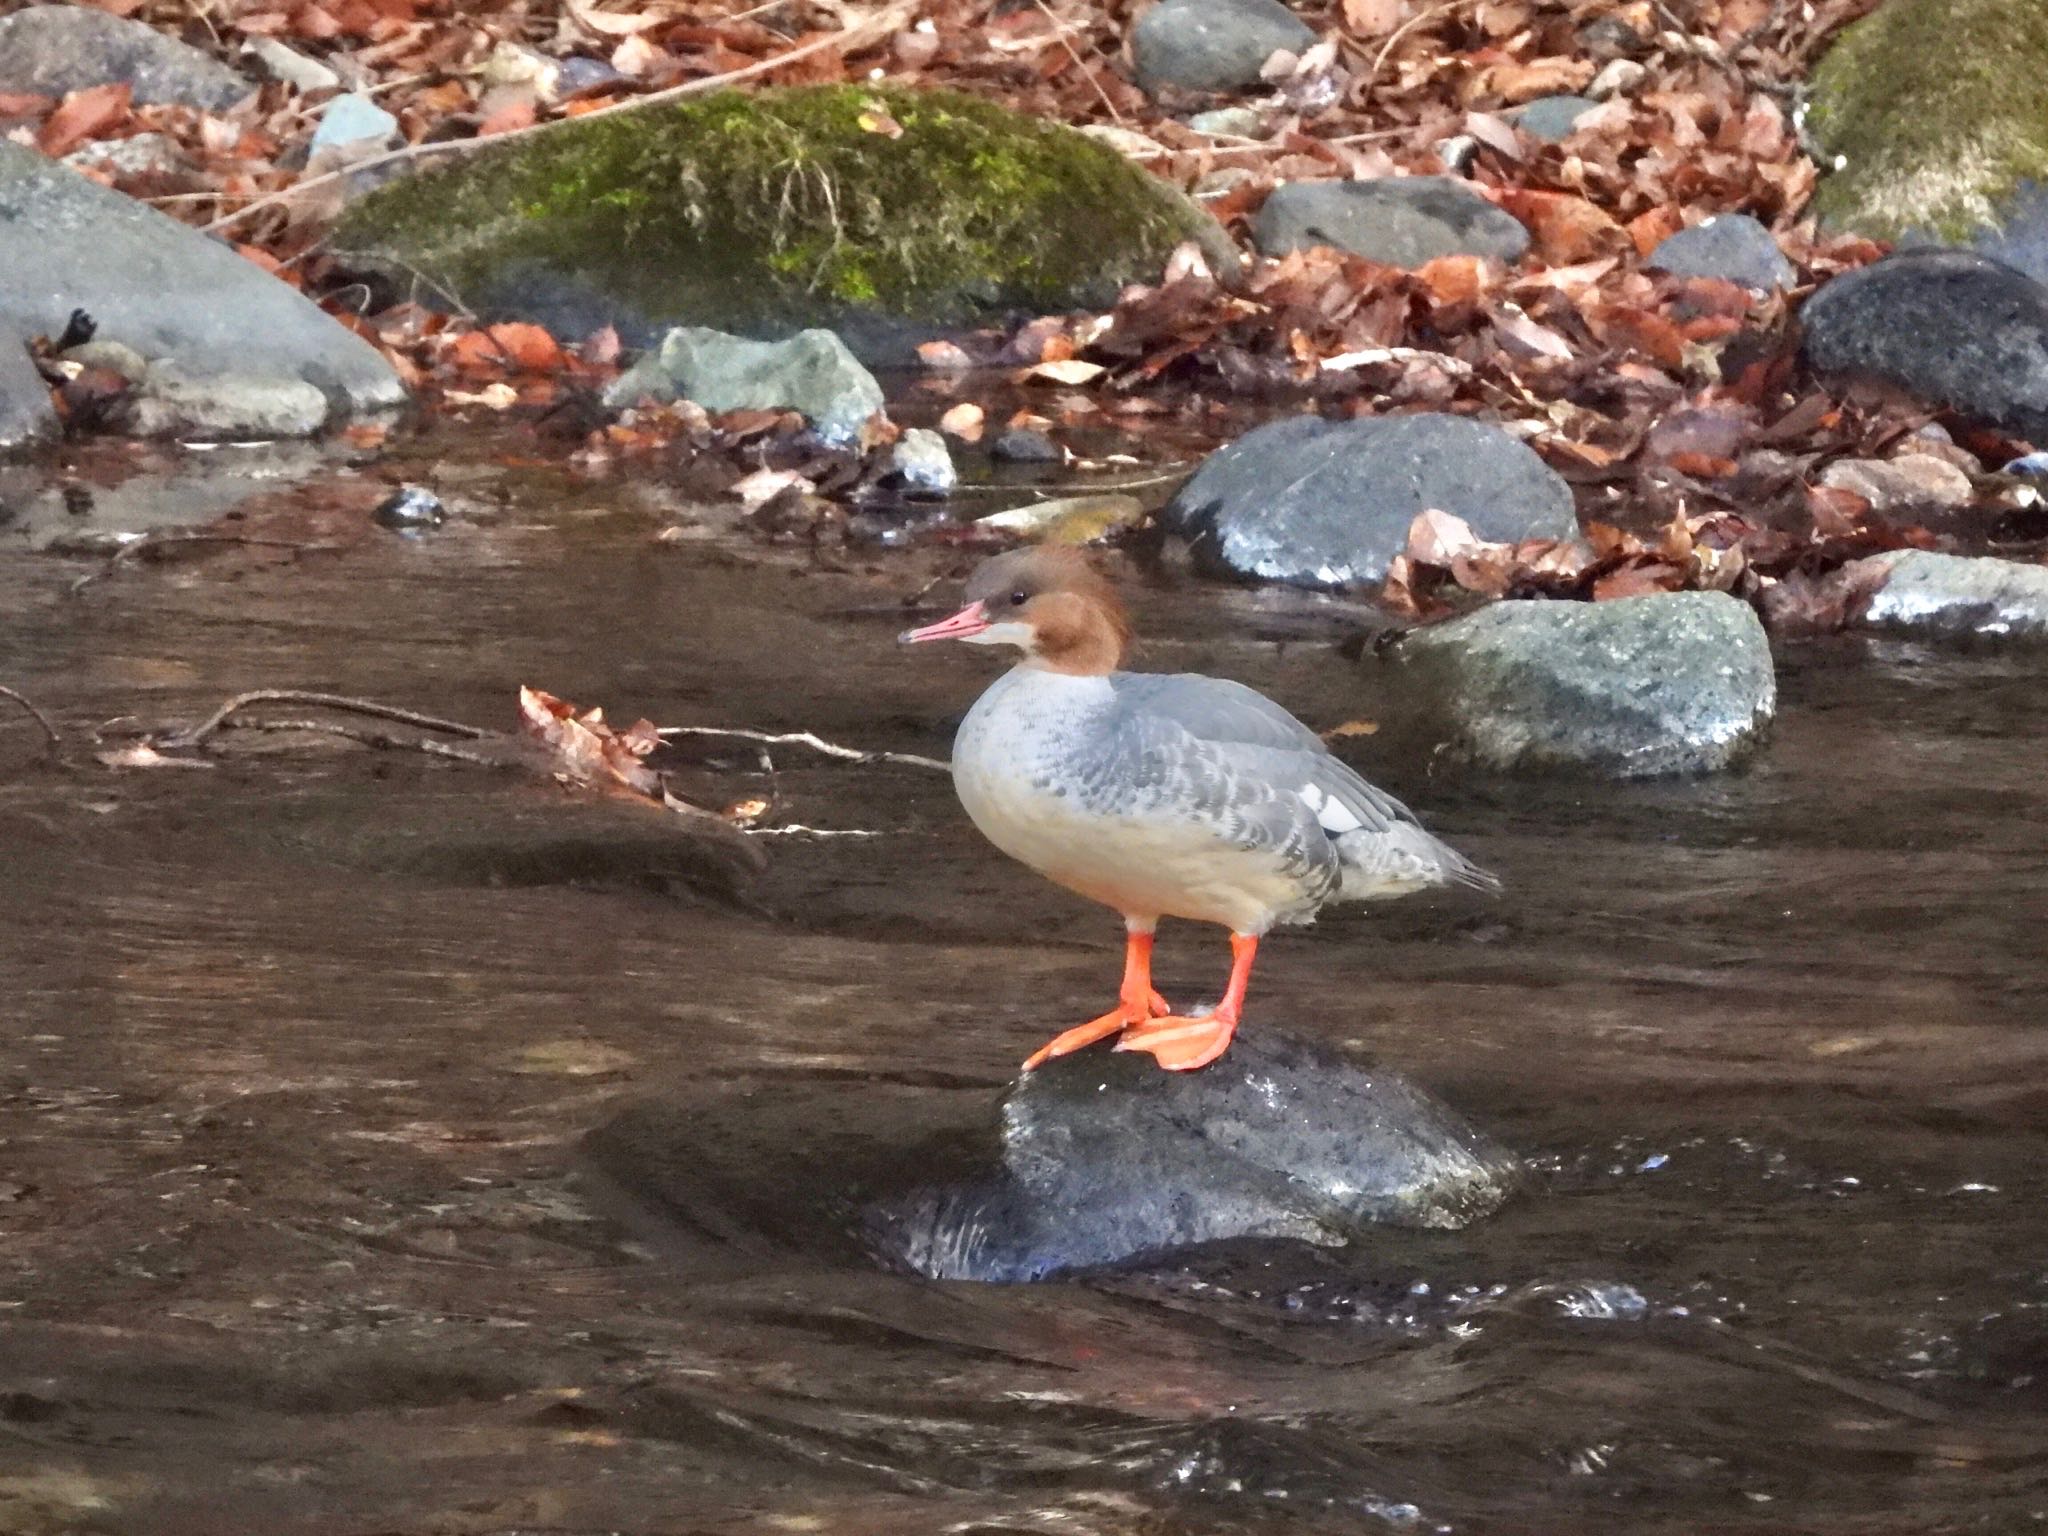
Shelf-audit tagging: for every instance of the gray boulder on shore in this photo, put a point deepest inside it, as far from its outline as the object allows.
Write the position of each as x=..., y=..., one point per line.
x=1640, y=687
x=1948, y=327
x=1402, y=221
x=1733, y=246
x=1213, y=45
x=1954, y=596
x=26, y=415
x=812, y=372
x=1319, y=503
x=237, y=352
x=53, y=50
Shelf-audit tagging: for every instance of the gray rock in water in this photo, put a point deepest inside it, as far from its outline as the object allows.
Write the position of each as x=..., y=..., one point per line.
x=1950, y=327
x=1213, y=45
x=1025, y=445
x=1552, y=118
x=222, y=407
x=52, y=50
x=812, y=372
x=1680, y=682
x=922, y=461
x=1403, y=221
x=1105, y=1158
x=174, y=296
x=1958, y=595
x=26, y=415
x=1325, y=504
x=1732, y=246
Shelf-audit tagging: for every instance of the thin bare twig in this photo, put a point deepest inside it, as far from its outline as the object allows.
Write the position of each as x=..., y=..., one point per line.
x=335, y=701
x=850, y=37
x=1059, y=31
x=1372, y=75
x=41, y=719
x=806, y=739
x=371, y=737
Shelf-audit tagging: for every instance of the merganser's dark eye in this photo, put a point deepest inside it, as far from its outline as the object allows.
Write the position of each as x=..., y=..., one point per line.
x=1018, y=599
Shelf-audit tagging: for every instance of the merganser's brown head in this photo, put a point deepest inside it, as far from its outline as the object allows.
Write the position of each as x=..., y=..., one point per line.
x=1046, y=600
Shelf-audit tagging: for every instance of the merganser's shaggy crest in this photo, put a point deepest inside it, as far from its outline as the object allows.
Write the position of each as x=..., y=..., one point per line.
x=1162, y=795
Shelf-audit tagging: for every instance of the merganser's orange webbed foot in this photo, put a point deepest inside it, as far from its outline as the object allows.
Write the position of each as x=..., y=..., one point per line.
x=1137, y=1003
x=1182, y=1044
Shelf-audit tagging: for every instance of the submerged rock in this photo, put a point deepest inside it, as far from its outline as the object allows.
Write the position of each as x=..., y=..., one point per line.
x=885, y=214
x=1213, y=45
x=53, y=50
x=26, y=414
x=1733, y=246
x=1936, y=595
x=1949, y=327
x=812, y=372
x=1106, y=1158
x=1325, y=504
x=1679, y=682
x=210, y=321
x=1932, y=118
x=1403, y=221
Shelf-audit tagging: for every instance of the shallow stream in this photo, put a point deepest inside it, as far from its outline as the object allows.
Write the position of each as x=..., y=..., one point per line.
x=296, y=1233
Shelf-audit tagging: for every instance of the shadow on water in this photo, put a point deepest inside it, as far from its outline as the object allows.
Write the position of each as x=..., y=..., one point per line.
x=305, y=1048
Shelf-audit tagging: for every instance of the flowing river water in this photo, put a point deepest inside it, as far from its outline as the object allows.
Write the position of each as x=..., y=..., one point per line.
x=297, y=1232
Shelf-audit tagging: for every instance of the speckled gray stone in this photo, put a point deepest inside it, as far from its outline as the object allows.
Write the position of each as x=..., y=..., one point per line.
x=1676, y=683
x=1403, y=221
x=922, y=461
x=170, y=293
x=26, y=415
x=52, y=50
x=1325, y=504
x=1959, y=595
x=812, y=372
x=1105, y=1158
x=1213, y=45
x=1949, y=327
x=1733, y=246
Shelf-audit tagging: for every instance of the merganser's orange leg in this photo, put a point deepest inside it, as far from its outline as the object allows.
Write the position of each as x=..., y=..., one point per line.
x=1183, y=1044
x=1136, y=1002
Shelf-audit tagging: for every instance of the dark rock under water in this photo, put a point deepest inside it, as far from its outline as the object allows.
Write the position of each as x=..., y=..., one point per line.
x=1094, y=1160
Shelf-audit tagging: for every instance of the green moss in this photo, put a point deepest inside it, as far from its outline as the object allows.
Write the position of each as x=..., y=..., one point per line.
x=771, y=210
x=1937, y=111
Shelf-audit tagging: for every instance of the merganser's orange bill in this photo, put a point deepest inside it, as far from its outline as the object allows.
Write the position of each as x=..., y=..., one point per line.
x=969, y=621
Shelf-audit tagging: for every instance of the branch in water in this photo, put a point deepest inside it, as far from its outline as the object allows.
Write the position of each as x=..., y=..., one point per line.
x=336, y=701
x=41, y=719
x=807, y=739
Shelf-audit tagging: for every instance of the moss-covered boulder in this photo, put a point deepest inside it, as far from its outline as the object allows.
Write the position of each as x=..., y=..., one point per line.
x=1932, y=116
x=886, y=214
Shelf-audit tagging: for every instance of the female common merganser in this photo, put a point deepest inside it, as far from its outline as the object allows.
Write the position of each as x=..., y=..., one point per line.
x=1162, y=795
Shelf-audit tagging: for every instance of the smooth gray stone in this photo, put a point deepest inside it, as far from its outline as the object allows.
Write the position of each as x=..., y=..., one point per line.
x=1676, y=683
x=1402, y=221
x=174, y=296
x=1958, y=595
x=922, y=461
x=1733, y=246
x=223, y=407
x=1951, y=328
x=26, y=415
x=1213, y=45
x=1105, y=1158
x=1326, y=504
x=812, y=372
x=1551, y=118
x=53, y=50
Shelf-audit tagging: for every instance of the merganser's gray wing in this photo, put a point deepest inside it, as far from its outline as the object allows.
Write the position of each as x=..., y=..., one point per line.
x=1381, y=844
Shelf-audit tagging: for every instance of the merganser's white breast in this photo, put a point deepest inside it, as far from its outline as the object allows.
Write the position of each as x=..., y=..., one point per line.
x=1132, y=810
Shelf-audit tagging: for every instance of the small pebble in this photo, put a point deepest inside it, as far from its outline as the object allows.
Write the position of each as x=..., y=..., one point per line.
x=1021, y=445
x=409, y=508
